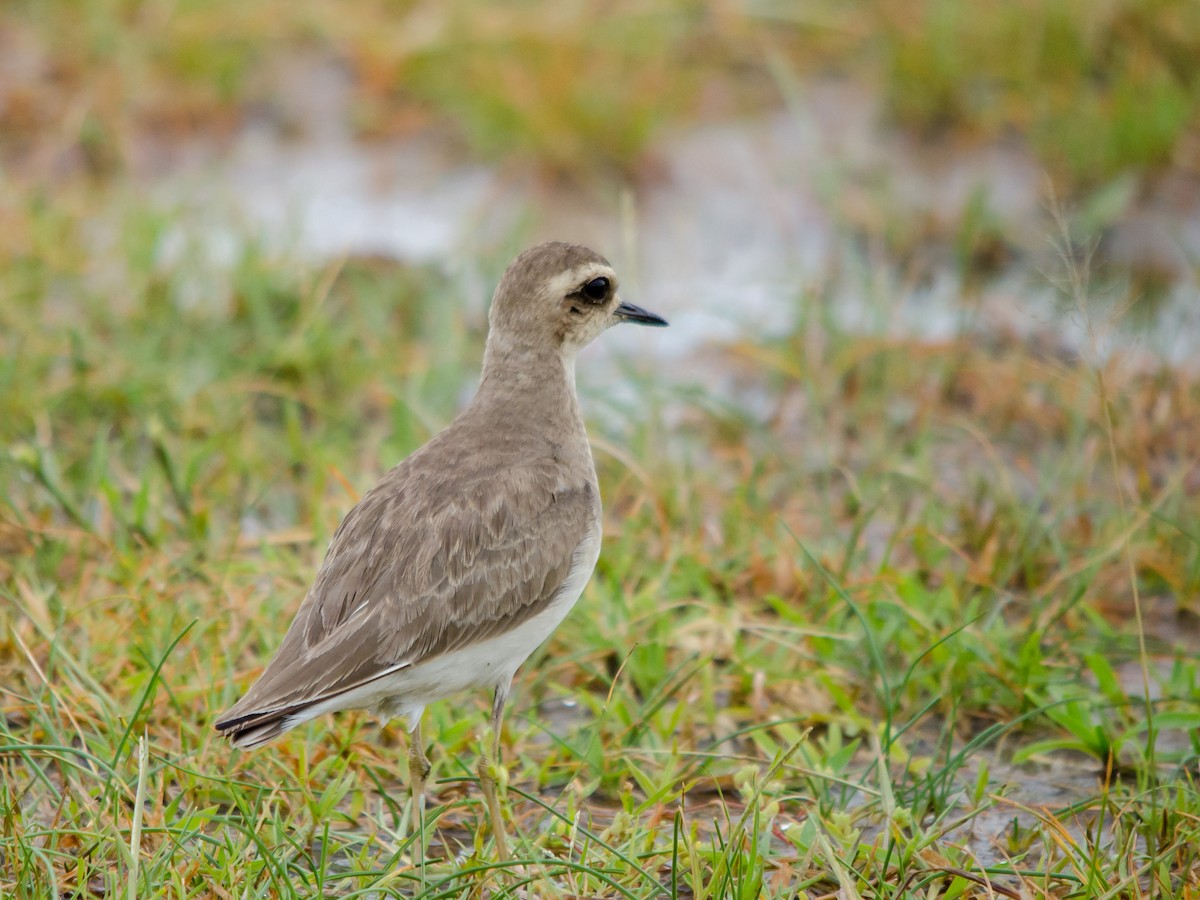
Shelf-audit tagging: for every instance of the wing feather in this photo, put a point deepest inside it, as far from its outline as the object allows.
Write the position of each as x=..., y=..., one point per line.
x=436, y=557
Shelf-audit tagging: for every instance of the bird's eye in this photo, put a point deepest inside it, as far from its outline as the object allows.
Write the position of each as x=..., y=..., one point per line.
x=596, y=289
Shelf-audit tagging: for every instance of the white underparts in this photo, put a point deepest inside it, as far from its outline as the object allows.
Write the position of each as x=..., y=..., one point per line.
x=489, y=663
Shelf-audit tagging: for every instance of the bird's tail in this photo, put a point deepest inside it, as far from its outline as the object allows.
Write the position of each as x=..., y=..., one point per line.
x=254, y=729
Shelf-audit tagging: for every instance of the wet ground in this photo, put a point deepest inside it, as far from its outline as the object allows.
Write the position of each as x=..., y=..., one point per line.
x=736, y=229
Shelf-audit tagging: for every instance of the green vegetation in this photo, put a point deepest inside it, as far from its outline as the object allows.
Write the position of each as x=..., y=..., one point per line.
x=903, y=620
x=818, y=638
x=1098, y=89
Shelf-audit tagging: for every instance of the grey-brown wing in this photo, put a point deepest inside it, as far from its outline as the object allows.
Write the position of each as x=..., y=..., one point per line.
x=421, y=567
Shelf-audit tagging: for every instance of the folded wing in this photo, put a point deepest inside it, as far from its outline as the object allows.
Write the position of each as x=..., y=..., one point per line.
x=431, y=560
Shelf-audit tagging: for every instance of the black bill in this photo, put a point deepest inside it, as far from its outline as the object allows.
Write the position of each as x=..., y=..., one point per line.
x=627, y=312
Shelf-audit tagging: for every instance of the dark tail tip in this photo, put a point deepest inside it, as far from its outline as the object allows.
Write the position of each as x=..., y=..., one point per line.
x=255, y=730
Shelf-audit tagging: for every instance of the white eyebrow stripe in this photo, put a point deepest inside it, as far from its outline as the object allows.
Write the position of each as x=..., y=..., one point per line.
x=571, y=281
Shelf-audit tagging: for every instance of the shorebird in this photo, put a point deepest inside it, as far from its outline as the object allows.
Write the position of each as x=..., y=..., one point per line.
x=469, y=553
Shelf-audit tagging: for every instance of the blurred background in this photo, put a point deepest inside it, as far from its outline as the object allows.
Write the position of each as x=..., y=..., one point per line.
x=725, y=153
x=902, y=540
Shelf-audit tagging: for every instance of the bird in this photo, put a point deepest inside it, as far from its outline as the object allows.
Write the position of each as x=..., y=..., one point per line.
x=464, y=557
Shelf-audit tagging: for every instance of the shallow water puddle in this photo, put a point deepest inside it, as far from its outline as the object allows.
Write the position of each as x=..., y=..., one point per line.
x=739, y=226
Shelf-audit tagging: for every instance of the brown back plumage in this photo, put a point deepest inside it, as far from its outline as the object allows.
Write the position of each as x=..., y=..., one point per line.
x=434, y=557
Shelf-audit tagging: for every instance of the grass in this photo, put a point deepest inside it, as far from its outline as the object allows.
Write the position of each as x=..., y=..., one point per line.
x=884, y=618
x=826, y=641
x=1098, y=90
x=581, y=89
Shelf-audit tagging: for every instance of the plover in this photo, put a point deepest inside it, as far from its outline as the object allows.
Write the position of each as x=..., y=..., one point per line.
x=468, y=554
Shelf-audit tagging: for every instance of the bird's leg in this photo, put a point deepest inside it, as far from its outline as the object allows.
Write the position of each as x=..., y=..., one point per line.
x=418, y=771
x=487, y=774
